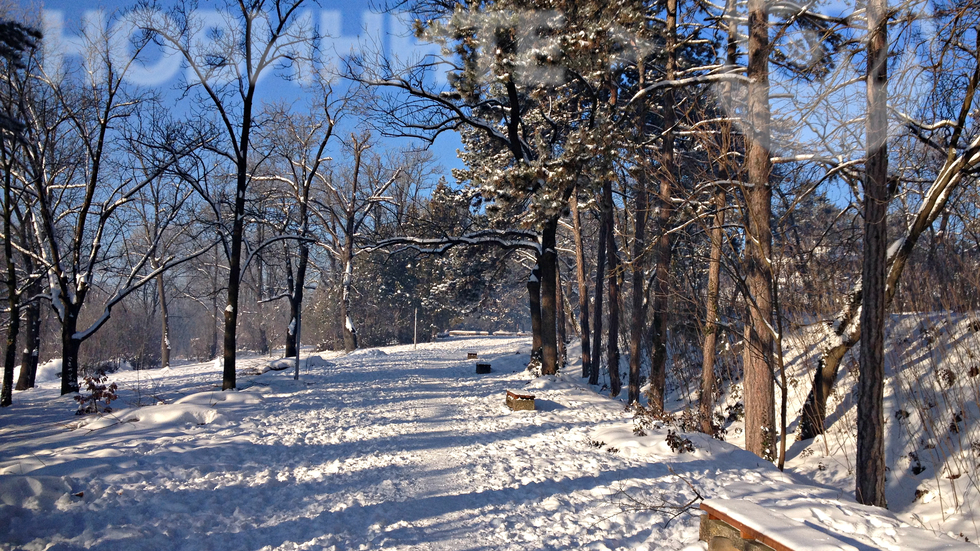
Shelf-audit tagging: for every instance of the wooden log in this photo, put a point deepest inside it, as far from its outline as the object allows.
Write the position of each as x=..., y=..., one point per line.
x=482, y=368
x=471, y=355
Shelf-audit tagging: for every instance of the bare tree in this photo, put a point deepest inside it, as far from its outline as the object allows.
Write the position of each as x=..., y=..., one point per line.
x=300, y=142
x=76, y=210
x=257, y=38
x=349, y=201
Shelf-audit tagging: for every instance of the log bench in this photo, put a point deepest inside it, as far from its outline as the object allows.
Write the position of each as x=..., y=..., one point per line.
x=732, y=524
x=519, y=402
x=482, y=368
x=471, y=355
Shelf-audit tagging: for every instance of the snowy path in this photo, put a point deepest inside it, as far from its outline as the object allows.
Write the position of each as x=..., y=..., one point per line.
x=393, y=449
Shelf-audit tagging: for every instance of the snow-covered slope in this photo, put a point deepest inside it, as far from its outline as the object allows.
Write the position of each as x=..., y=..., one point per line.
x=386, y=449
x=932, y=424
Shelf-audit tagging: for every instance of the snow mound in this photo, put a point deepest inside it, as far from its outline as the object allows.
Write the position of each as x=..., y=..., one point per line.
x=277, y=382
x=282, y=364
x=195, y=409
x=368, y=353
x=49, y=372
x=36, y=493
x=158, y=416
x=317, y=361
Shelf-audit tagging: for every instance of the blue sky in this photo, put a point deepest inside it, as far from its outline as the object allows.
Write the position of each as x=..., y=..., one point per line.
x=354, y=18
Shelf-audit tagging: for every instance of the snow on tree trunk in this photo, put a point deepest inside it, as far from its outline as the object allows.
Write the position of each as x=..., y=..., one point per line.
x=350, y=333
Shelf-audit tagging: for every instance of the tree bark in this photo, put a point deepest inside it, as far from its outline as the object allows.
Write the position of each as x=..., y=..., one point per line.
x=662, y=247
x=10, y=353
x=638, y=266
x=13, y=296
x=350, y=332
x=600, y=279
x=549, y=268
x=845, y=332
x=560, y=335
x=583, y=288
x=32, y=345
x=260, y=295
x=69, y=351
x=870, y=463
x=228, y=381
x=612, y=350
x=164, y=324
x=758, y=381
x=534, y=299
x=707, y=402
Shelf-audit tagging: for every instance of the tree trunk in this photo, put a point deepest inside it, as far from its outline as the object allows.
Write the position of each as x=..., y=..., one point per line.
x=638, y=264
x=164, y=324
x=10, y=354
x=758, y=382
x=560, y=335
x=549, y=272
x=13, y=297
x=350, y=333
x=260, y=295
x=32, y=345
x=69, y=351
x=583, y=287
x=870, y=463
x=707, y=403
x=291, y=298
x=844, y=333
x=235, y=266
x=296, y=302
x=534, y=299
x=612, y=351
x=600, y=279
x=662, y=247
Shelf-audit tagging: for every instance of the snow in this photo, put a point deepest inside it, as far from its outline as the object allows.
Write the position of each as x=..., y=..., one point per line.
x=388, y=448
x=930, y=426
x=47, y=373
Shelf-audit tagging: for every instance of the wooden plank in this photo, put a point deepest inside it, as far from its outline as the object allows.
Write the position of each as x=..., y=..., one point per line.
x=780, y=532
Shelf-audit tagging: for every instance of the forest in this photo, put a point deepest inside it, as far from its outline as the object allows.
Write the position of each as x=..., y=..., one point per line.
x=673, y=189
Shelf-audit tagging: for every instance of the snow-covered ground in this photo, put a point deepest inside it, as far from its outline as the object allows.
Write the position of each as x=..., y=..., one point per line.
x=390, y=448
x=932, y=420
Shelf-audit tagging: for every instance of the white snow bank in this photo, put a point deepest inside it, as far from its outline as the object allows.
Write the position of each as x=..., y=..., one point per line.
x=49, y=371
x=196, y=409
x=368, y=353
x=36, y=493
